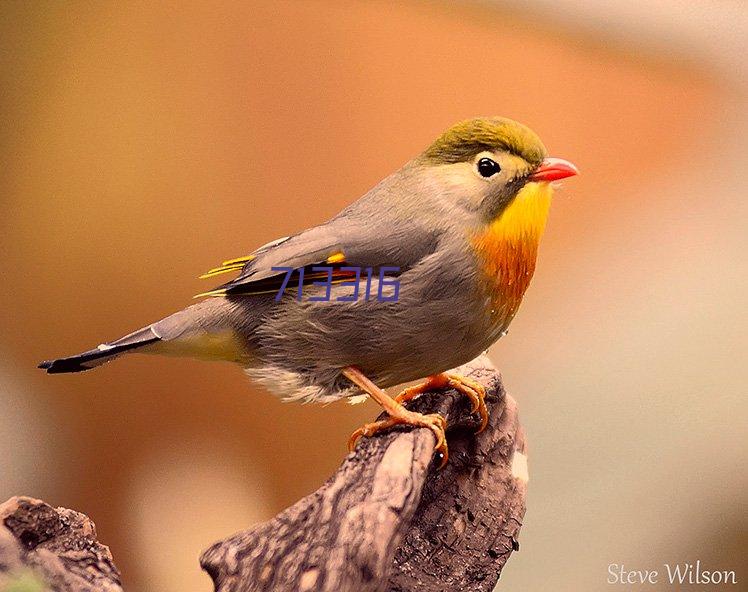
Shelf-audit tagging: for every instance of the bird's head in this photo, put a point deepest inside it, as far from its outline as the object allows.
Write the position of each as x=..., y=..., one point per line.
x=486, y=162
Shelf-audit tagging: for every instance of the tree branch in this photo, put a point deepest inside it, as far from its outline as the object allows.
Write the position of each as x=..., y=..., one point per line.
x=389, y=520
x=43, y=548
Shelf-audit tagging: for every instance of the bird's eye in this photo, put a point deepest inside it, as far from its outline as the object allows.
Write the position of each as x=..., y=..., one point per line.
x=487, y=167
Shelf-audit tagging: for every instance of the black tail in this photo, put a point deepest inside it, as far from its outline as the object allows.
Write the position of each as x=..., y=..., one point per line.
x=102, y=354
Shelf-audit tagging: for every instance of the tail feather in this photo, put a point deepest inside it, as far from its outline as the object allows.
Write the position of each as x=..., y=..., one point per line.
x=102, y=354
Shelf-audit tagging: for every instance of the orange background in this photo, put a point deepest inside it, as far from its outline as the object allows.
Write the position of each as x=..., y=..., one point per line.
x=141, y=145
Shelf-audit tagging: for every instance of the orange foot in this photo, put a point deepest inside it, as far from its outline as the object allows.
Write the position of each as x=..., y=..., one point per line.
x=398, y=415
x=472, y=389
x=435, y=422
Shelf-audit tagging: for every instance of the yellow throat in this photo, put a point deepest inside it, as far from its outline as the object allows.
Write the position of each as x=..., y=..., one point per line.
x=507, y=248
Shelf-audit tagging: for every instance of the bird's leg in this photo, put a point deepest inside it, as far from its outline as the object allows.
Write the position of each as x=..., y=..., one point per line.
x=472, y=389
x=398, y=415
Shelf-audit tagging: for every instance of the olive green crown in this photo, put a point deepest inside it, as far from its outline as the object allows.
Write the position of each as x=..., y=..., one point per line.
x=463, y=141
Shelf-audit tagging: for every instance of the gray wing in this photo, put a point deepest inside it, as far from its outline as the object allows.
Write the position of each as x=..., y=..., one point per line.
x=338, y=244
x=394, y=224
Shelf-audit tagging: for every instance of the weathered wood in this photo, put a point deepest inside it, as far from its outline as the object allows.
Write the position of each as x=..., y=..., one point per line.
x=43, y=548
x=389, y=520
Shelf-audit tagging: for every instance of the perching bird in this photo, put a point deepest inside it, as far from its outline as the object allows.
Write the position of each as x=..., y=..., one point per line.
x=458, y=229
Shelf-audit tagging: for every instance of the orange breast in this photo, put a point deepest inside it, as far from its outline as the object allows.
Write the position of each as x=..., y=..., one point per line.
x=507, y=249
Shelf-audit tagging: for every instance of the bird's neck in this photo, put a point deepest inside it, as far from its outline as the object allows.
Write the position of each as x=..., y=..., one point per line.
x=508, y=248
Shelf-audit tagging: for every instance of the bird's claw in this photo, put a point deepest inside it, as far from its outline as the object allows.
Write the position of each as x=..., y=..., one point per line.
x=472, y=389
x=476, y=392
x=435, y=422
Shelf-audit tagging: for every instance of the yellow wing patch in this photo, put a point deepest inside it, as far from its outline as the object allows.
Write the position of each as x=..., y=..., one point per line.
x=221, y=292
x=242, y=260
x=227, y=266
x=338, y=257
x=239, y=263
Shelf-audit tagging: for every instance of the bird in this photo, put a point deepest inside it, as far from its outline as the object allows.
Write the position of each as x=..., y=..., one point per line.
x=422, y=273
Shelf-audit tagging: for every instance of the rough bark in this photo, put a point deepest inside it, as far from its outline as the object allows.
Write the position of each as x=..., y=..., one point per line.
x=44, y=548
x=388, y=519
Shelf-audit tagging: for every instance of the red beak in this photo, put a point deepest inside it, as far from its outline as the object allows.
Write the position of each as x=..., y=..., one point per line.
x=553, y=169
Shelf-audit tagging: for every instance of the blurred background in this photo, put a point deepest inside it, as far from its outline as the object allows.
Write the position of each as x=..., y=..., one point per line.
x=142, y=144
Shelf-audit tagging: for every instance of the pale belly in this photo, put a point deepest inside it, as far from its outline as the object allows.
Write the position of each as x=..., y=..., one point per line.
x=443, y=324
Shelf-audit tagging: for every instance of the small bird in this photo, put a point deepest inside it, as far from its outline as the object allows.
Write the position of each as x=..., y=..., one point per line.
x=313, y=316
